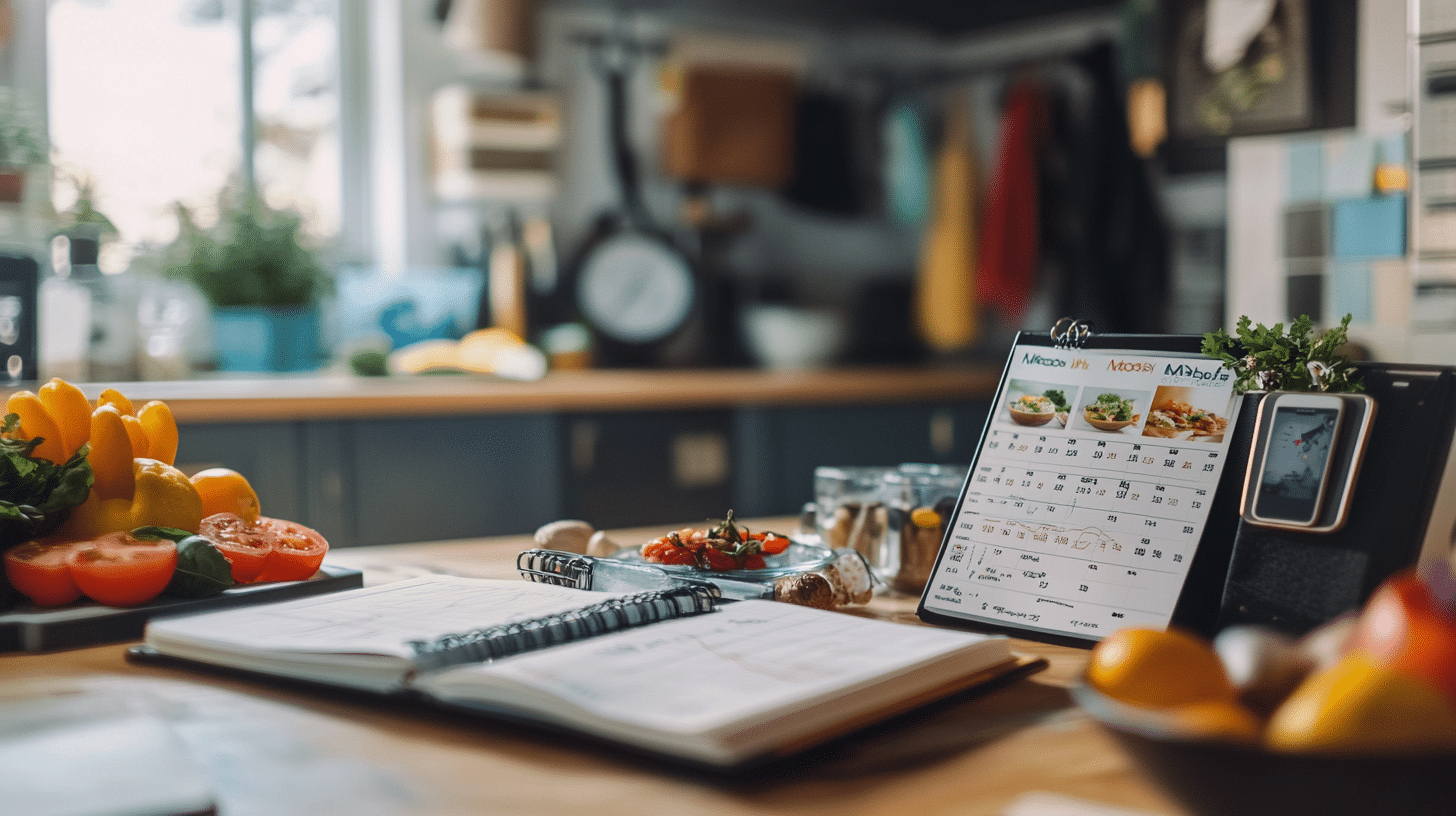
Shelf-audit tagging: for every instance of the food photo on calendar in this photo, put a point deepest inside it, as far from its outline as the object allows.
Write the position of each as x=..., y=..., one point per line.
x=1089, y=494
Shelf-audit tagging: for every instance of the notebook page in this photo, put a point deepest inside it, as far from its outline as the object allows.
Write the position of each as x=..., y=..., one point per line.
x=374, y=620
x=743, y=663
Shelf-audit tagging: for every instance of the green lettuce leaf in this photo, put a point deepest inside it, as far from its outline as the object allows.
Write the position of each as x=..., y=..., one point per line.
x=37, y=495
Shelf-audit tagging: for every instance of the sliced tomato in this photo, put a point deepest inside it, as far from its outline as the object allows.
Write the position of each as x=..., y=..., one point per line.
x=298, y=551
x=119, y=569
x=37, y=570
x=245, y=545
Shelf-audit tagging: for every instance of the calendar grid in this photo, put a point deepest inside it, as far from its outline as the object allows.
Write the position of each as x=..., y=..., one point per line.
x=1087, y=522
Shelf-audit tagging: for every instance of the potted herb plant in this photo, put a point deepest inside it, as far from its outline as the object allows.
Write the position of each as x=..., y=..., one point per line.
x=21, y=145
x=263, y=281
x=1268, y=359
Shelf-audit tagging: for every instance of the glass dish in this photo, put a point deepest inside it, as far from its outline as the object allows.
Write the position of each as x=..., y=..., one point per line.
x=801, y=556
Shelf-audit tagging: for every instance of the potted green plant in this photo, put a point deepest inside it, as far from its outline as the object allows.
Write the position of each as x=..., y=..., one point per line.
x=263, y=281
x=83, y=225
x=21, y=145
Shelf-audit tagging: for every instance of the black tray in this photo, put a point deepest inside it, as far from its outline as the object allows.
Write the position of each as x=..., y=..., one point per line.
x=34, y=629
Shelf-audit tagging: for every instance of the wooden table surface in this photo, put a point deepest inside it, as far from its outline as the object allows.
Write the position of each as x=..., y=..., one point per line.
x=278, y=748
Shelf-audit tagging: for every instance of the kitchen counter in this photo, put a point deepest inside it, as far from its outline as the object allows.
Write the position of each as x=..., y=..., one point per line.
x=338, y=396
x=382, y=460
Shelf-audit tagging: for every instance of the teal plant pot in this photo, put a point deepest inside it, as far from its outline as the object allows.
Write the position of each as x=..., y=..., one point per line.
x=267, y=338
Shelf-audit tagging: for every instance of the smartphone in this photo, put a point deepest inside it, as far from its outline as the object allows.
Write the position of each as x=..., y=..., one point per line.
x=1291, y=483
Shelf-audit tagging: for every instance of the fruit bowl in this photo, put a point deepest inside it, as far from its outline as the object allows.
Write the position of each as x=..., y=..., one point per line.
x=1209, y=777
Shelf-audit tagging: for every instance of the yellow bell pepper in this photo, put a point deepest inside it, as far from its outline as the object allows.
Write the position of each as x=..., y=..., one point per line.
x=132, y=491
x=59, y=414
x=131, y=456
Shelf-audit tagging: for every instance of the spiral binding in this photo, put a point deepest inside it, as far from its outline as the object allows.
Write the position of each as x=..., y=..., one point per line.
x=509, y=639
x=560, y=569
x=1069, y=332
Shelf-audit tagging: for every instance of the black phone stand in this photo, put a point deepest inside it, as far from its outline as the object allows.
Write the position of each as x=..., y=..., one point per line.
x=1399, y=511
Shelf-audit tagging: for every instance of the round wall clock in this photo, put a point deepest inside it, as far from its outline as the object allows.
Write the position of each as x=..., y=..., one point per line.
x=634, y=288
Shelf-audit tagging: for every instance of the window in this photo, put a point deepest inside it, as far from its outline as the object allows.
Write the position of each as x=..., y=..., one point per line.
x=147, y=98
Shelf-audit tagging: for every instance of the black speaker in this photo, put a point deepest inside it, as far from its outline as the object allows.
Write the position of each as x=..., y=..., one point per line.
x=1402, y=510
x=19, y=278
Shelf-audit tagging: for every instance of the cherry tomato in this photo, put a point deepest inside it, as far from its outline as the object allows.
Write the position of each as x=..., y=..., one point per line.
x=298, y=551
x=719, y=560
x=774, y=544
x=37, y=570
x=119, y=569
x=245, y=545
x=679, y=556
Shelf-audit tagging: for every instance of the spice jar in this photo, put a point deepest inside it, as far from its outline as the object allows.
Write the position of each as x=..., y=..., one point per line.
x=923, y=497
x=852, y=513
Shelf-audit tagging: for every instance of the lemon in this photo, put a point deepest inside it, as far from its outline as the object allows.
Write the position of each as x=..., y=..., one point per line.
x=1358, y=706
x=162, y=497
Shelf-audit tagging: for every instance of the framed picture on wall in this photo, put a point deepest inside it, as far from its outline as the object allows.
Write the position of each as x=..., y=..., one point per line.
x=1247, y=68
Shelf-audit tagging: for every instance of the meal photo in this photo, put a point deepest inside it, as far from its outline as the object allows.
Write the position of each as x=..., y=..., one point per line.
x=1036, y=403
x=1111, y=411
x=1177, y=415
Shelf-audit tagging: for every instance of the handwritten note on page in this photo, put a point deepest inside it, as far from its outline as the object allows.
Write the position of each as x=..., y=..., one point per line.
x=749, y=661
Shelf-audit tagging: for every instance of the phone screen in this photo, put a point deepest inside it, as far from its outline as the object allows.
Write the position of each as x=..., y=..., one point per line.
x=1295, y=463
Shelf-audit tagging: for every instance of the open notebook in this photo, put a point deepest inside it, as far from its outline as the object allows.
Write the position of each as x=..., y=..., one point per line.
x=673, y=672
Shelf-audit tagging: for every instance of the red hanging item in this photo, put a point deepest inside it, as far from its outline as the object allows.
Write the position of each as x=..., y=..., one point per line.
x=1011, y=234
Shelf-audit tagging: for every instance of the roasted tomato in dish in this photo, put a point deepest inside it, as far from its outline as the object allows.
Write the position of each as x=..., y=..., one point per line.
x=119, y=569
x=268, y=549
x=724, y=546
x=37, y=570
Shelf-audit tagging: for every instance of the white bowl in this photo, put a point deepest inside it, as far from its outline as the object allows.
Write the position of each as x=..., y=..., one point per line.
x=791, y=337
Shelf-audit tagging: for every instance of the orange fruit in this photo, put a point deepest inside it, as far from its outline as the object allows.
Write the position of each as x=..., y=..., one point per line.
x=1358, y=706
x=1214, y=720
x=1159, y=668
x=224, y=490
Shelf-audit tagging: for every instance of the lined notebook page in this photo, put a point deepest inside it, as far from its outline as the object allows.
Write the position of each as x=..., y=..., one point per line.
x=746, y=660
x=375, y=620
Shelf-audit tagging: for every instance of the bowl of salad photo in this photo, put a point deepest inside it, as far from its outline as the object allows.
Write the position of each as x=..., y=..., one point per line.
x=1110, y=412
x=1033, y=410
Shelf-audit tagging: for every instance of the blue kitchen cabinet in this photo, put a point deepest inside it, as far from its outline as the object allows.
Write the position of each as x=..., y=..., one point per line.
x=269, y=454
x=783, y=445
x=425, y=479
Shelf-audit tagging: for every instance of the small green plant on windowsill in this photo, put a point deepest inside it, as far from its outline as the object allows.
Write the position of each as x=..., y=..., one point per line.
x=20, y=142
x=1267, y=359
x=255, y=256
x=21, y=145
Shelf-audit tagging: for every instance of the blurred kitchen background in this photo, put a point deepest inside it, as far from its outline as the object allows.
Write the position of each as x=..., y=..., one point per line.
x=510, y=186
